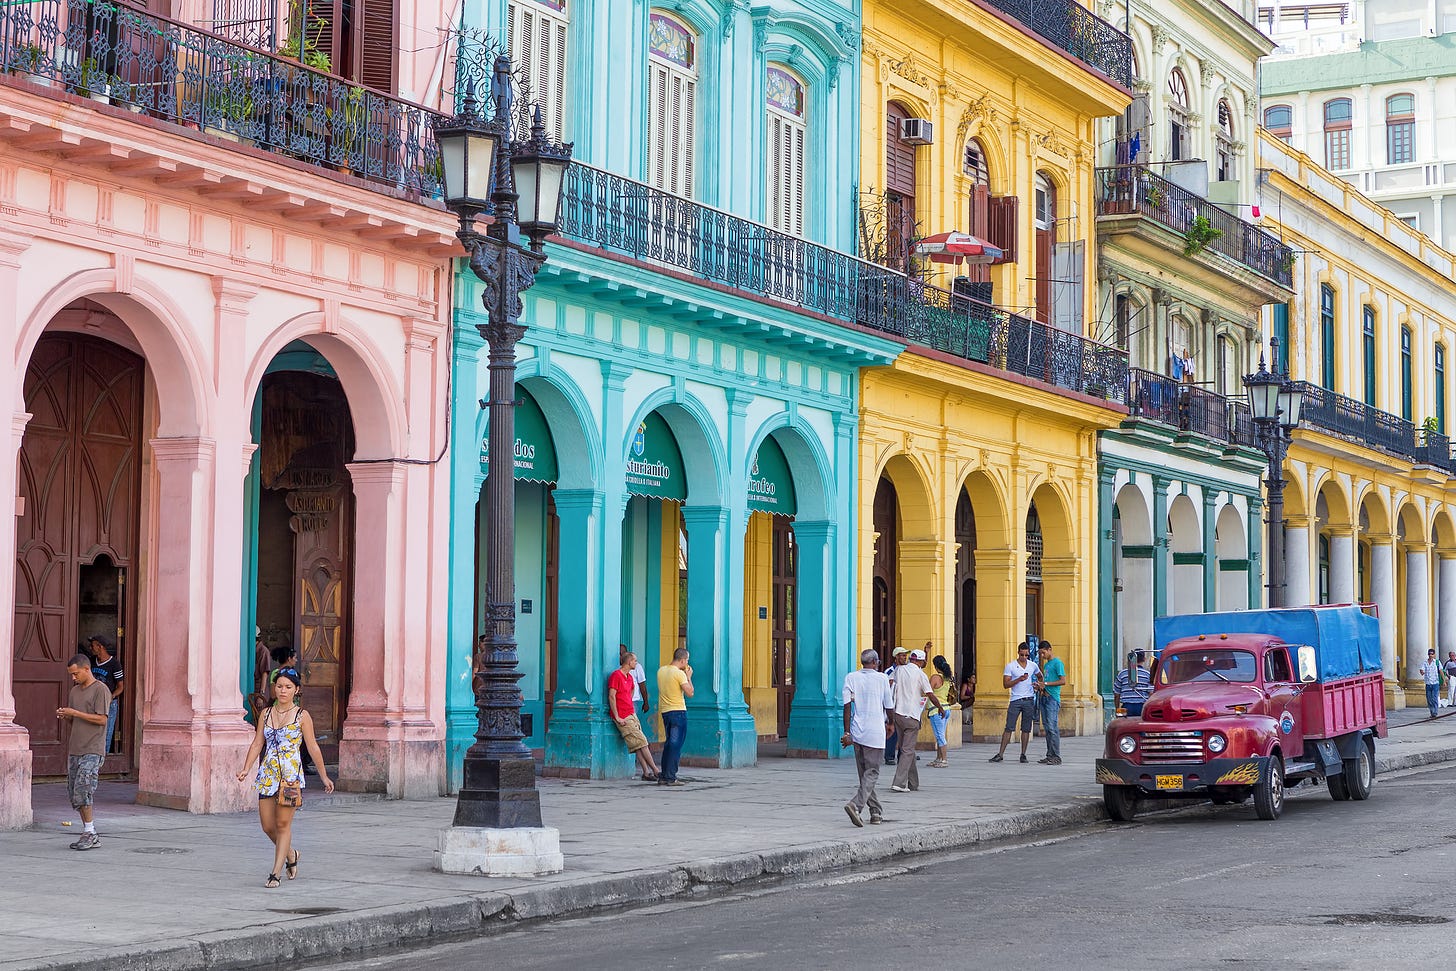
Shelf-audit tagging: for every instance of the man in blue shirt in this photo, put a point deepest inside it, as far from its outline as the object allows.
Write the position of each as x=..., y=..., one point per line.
x=1049, y=698
x=1132, y=685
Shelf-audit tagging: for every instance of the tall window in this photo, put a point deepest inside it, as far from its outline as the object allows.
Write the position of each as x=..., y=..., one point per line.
x=1406, y=408
x=786, y=133
x=1327, y=336
x=1440, y=389
x=537, y=42
x=1046, y=238
x=1337, y=134
x=1225, y=143
x=1281, y=333
x=1400, y=129
x=672, y=94
x=1324, y=569
x=1279, y=119
x=1367, y=344
x=1177, y=115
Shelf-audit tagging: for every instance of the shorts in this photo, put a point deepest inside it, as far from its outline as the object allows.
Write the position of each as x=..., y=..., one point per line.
x=631, y=730
x=82, y=771
x=1022, y=708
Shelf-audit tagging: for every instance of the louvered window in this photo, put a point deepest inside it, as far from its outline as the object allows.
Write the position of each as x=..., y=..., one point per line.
x=671, y=104
x=537, y=42
x=786, y=134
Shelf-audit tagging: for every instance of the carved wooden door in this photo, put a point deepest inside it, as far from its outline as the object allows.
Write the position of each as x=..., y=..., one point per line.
x=785, y=617
x=321, y=566
x=79, y=483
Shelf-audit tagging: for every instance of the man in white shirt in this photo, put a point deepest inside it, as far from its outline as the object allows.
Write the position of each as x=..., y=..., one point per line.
x=1020, y=679
x=912, y=691
x=640, y=701
x=868, y=703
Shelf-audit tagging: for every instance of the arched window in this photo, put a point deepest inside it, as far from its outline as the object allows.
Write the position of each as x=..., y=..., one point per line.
x=1177, y=115
x=1440, y=389
x=1327, y=336
x=1338, y=115
x=1406, y=404
x=1224, y=139
x=787, y=131
x=536, y=39
x=1400, y=129
x=1279, y=119
x=672, y=94
x=1367, y=345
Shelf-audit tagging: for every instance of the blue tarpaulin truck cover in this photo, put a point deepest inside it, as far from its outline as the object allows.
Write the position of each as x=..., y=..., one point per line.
x=1346, y=639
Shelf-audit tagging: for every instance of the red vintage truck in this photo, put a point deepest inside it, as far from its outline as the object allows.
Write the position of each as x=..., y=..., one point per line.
x=1246, y=703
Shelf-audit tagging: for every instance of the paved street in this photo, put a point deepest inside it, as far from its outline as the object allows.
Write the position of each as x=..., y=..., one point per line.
x=1331, y=885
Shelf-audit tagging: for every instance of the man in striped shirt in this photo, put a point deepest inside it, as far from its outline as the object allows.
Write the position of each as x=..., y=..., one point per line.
x=1132, y=685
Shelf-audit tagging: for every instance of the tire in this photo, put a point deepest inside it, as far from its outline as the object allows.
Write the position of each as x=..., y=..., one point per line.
x=1121, y=802
x=1360, y=773
x=1269, y=793
x=1339, y=788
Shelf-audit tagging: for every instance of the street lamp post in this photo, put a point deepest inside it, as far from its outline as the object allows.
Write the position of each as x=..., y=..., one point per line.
x=1275, y=403
x=497, y=829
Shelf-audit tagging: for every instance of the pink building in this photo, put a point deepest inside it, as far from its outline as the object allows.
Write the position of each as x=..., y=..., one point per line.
x=228, y=313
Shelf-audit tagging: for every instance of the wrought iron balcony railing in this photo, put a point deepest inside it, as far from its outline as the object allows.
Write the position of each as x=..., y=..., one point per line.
x=619, y=214
x=1127, y=189
x=1189, y=408
x=1435, y=449
x=1331, y=412
x=174, y=72
x=1072, y=28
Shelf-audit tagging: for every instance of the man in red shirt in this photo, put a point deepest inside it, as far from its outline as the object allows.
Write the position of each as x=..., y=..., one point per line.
x=624, y=716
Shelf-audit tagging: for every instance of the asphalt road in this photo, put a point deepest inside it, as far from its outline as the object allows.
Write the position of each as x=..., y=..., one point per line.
x=1329, y=885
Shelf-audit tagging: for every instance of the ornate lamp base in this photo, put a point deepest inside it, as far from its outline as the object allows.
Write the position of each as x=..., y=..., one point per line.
x=524, y=852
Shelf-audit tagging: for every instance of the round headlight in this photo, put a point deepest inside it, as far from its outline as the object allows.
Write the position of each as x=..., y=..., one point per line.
x=1217, y=743
x=1127, y=744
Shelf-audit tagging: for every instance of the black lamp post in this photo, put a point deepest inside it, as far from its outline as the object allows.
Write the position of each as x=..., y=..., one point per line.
x=499, y=789
x=1275, y=402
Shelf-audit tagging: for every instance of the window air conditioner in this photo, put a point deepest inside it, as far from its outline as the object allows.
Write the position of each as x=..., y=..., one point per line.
x=916, y=131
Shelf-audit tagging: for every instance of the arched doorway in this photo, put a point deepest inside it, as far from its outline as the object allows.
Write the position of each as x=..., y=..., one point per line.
x=965, y=585
x=1185, y=550
x=1231, y=543
x=771, y=590
x=1034, y=549
x=654, y=590
x=1133, y=584
x=883, y=613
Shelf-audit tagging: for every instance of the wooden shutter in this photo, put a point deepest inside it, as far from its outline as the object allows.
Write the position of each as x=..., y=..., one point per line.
x=899, y=157
x=657, y=125
x=979, y=224
x=672, y=98
x=378, y=39
x=323, y=29
x=1002, y=225
x=1044, y=240
x=785, y=174
x=536, y=38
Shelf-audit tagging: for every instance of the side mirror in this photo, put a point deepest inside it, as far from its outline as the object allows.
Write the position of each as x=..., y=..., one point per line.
x=1307, y=668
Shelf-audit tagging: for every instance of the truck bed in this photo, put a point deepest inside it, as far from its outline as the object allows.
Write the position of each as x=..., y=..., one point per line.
x=1346, y=705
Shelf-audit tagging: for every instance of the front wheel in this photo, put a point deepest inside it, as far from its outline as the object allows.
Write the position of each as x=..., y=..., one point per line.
x=1121, y=802
x=1269, y=793
x=1360, y=773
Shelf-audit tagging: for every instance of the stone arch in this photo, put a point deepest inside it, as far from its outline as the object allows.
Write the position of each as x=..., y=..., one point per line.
x=808, y=463
x=1231, y=545
x=573, y=430
x=1409, y=523
x=696, y=434
x=912, y=492
x=1060, y=576
x=1332, y=501
x=1295, y=503
x=1374, y=515
x=993, y=527
x=1134, y=601
x=1185, y=553
x=1443, y=531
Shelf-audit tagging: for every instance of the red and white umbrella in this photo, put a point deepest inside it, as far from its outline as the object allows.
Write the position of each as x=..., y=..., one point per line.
x=954, y=247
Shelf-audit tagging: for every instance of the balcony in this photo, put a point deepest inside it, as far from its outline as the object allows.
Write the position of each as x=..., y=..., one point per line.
x=1189, y=408
x=1075, y=30
x=1366, y=424
x=169, y=71
x=605, y=210
x=1124, y=190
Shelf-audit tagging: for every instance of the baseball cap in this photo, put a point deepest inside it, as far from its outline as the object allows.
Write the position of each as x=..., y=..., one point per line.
x=917, y=655
x=898, y=651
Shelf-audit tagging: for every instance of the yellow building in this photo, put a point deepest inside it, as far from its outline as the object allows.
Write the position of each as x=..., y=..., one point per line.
x=978, y=457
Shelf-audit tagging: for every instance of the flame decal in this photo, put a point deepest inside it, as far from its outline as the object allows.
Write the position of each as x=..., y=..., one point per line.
x=1240, y=775
x=1107, y=777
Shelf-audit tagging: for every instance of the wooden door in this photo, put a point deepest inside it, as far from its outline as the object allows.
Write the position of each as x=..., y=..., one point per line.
x=1033, y=609
x=79, y=481
x=553, y=573
x=785, y=616
x=965, y=580
x=886, y=569
x=322, y=576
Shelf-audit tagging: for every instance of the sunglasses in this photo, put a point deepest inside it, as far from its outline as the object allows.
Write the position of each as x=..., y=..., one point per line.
x=289, y=673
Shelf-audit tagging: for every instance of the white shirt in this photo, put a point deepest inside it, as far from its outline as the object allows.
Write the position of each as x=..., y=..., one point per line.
x=871, y=695
x=639, y=677
x=1026, y=688
x=1431, y=671
x=910, y=687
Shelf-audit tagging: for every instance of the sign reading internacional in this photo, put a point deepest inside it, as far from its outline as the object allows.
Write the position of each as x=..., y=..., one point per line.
x=654, y=462
x=535, y=452
x=770, y=483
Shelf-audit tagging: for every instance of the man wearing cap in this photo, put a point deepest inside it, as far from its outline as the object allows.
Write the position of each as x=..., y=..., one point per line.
x=1451, y=679
x=912, y=692
x=1432, y=673
x=1132, y=685
x=868, y=704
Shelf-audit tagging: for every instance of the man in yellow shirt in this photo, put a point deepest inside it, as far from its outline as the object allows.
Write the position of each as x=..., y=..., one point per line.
x=674, y=687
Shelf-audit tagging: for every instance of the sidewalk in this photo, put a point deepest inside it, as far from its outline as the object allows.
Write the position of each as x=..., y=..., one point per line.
x=171, y=891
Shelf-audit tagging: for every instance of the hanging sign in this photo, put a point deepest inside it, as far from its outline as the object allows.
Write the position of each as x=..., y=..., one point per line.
x=654, y=462
x=770, y=483
x=535, y=452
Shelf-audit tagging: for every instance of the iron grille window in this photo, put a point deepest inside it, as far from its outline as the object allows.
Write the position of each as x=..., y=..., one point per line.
x=1033, y=547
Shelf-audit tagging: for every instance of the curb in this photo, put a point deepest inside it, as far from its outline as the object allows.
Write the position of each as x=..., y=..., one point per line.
x=474, y=915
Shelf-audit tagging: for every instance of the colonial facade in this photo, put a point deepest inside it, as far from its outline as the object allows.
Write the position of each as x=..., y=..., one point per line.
x=1369, y=509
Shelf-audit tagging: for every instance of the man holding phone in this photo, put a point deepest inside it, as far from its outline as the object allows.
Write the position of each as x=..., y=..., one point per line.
x=1020, y=678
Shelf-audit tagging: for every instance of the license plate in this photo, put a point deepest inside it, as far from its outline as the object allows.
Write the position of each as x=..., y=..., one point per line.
x=1170, y=782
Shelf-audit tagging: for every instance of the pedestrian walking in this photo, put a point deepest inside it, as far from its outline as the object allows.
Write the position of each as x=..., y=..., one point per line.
x=1432, y=672
x=286, y=656
x=1052, y=676
x=1019, y=678
x=1132, y=685
x=674, y=687
x=639, y=683
x=89, y=702
x=284, y=729
x=868, y=704
x=624, y=715
x=899, y=656
x=912, y=692
x=107, y=669
x=1450, y=668
x=942, y=682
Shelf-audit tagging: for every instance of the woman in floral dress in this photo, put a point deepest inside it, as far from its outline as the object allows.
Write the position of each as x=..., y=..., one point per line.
x=282, y=730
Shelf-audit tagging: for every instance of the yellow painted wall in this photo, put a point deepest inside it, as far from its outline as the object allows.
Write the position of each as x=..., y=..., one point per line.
x=758, y=690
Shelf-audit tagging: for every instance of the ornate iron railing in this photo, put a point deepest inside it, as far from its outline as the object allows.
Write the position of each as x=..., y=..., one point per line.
x=1189, y=408
x=619, y=214
x=1076, y=30
x=177, y=73
x=1435, y=449
x=1358, y=421
x=1126, y=189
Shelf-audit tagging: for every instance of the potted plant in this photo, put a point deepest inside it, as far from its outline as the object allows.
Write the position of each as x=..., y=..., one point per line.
x=1199, y=235
x=1286, y=262
x=1154, y=196
x=94, y=83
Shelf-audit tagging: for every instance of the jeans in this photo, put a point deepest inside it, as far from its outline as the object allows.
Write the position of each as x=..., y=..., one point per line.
x=937, y=725
x=1051, y=711
x=111, y=720
x=1433, y=698
x=1451, y=692
x=907, y=773
x=867, y=762
x=675, y=725
x=892, y=745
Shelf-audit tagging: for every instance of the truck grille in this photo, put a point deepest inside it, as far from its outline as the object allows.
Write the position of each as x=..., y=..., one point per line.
x=1172, y=746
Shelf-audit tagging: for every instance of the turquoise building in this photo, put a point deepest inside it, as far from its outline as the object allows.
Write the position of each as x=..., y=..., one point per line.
x=688, y=386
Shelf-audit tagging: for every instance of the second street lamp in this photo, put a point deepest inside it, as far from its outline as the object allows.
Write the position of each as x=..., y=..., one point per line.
x=497, y=830
x=1275, y=403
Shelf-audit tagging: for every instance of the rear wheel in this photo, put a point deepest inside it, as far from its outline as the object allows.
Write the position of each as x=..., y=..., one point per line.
x=1269, y=793
x=1121, y=802
x=1360, y=773
x=1339, y=785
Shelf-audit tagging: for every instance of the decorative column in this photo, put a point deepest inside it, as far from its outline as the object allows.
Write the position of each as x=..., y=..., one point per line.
x=1417, y=612
x=1210, y=551
x=1296, y=562
x=1342, y=564
x=1445, y=602
x=815, y=722
x=1000, y=626
x=1160, y=546
x=15, y=757
x=466, y=480
x=1256, y=550
x=1107, y=650
x=1382, y=588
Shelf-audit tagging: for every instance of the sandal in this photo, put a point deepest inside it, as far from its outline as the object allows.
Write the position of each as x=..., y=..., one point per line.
x=292, y=867
x=272, y=881
x=649, y=778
